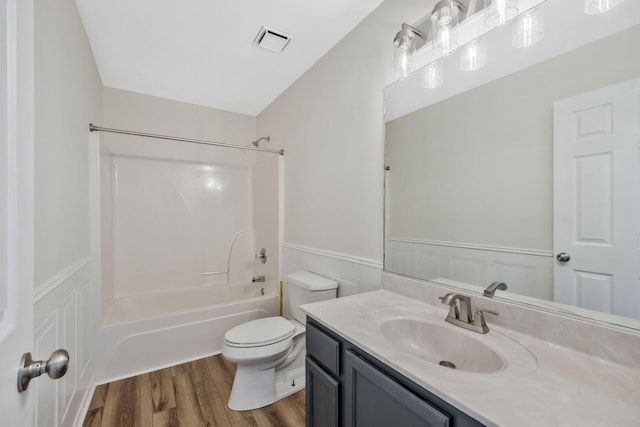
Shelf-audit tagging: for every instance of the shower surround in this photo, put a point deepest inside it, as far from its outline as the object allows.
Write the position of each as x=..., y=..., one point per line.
x=178, y=251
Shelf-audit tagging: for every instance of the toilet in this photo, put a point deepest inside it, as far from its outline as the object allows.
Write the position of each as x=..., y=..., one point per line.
x=270, y=352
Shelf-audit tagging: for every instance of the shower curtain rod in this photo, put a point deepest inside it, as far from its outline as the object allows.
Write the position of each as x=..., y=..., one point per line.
x=93, y=128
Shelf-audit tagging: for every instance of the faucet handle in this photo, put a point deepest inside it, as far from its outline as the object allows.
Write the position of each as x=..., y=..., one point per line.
x=479, y=319
x=481, y=311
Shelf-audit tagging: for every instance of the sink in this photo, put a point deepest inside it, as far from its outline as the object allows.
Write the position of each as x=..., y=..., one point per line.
x=441, y=344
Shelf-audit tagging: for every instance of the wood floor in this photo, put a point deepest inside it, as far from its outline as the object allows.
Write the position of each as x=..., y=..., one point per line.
x=193, y=394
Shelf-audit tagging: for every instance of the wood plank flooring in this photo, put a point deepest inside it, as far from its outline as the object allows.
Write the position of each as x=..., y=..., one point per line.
x=193, y=394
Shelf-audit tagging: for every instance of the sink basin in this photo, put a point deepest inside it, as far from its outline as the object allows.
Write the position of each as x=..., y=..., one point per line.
x=441, y=344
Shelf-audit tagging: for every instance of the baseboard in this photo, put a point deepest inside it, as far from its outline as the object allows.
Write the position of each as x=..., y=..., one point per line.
x=86, y=401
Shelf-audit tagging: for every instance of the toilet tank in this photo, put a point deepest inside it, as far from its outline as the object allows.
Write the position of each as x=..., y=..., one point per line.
x=305, y=287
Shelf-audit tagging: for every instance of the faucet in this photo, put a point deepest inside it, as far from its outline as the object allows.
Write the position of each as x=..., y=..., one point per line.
x=460, y=311
x=491, y=289
x=461, y=314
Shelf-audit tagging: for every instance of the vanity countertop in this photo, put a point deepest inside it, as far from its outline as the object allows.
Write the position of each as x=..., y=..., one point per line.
x=556, y=386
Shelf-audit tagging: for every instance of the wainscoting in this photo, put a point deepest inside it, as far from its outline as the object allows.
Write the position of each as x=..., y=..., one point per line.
x=526, y=272
x=353, y=274
x=63, y=318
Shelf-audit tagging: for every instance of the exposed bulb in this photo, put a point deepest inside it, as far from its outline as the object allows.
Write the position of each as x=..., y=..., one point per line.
x=529, y=28
x=499, y=12
x=594, y=7
x=433, y=75
x=473, y=55
x=444, y=19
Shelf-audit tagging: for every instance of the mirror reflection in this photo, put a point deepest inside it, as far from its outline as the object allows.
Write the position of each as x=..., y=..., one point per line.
x=474, y=167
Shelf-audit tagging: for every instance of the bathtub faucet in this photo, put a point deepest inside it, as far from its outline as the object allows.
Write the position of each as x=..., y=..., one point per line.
x=258, y=279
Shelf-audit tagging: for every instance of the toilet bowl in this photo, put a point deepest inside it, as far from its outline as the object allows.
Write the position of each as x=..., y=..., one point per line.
x=270, y=352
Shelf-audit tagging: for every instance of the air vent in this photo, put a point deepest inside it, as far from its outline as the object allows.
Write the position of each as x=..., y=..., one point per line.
x=272, y=40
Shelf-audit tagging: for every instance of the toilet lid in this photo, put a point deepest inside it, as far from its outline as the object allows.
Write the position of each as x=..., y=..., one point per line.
x=259, y=332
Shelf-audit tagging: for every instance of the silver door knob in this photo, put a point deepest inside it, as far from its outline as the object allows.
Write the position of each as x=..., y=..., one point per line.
x=563, y=257
x=262, y=256
x=55, y=367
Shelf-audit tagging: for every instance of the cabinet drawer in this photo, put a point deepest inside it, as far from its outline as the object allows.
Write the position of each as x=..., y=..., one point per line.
x=324, y=349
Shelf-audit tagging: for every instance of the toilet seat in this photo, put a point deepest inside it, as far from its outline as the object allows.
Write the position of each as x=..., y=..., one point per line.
x=260, y=332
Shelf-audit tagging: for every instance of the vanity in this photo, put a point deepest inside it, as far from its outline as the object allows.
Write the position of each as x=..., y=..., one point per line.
x=382, y=358
x=348, y=386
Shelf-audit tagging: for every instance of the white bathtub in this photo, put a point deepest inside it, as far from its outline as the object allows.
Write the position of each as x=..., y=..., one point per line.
x=148, y=332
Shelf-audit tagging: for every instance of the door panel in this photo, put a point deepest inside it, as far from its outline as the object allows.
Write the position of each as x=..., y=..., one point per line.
x=16, y=204
x=593, y=188
x=375, y=400
x=597, y=199
x=323, y=394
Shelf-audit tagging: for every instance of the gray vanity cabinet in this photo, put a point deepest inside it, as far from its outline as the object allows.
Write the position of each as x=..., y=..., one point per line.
x=322, y=378
x=322, y=397
x=375, y=399
x=348, y=387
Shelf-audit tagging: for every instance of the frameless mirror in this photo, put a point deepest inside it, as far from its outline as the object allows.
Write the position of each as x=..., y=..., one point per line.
x=472, y=194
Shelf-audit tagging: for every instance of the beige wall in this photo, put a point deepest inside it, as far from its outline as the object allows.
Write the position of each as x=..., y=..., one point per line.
x=330, y=122
x=145, y=113
x=477, y=167
x=68, y=93
x=134, y=111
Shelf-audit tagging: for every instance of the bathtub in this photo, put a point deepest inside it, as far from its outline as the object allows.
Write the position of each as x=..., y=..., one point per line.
x=148, y=332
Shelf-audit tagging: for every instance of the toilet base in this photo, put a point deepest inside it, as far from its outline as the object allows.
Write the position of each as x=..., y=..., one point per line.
x=255, y=387
x=292, y=382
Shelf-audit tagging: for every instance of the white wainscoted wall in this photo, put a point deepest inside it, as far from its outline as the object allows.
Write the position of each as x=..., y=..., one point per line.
x=526, y=271
x=63, y=319
x=353, y=274
x=68, y=95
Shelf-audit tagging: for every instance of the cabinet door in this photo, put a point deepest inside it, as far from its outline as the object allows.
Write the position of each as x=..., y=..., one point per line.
x=376, y=400
x=322, y=397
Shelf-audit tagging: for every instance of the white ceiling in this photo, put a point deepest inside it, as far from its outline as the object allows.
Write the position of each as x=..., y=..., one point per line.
x=202, y=52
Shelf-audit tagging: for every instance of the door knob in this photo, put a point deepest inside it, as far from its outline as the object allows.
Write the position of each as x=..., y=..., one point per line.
x=55, y=367
x=262, y=256
x=563, y=257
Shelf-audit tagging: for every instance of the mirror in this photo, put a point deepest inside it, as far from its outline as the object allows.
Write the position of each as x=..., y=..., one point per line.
x=469, y=190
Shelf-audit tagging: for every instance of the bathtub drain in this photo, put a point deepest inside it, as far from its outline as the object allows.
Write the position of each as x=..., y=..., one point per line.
x=447, y=364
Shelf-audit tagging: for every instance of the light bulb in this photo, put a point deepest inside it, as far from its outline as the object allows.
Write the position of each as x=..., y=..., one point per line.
x=404, y=62
x=444, y=19
x=433, y=75
x=594, y=7
x=473, y=55
x=499, y=12
x=529, y=28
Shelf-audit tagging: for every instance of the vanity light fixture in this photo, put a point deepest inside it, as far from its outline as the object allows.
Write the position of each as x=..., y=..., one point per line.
x=499, y=12
x=433, y=75
x=444, y=19
x=405, y=46
x=594, y=7
x=473, y=55
x=529, y=28
x=440, y=28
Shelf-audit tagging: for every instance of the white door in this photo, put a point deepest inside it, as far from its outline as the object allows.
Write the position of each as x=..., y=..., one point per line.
x=597, y=199
x=16, y=204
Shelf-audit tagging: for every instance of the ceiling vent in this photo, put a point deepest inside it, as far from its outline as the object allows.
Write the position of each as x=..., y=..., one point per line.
x=272, y=40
